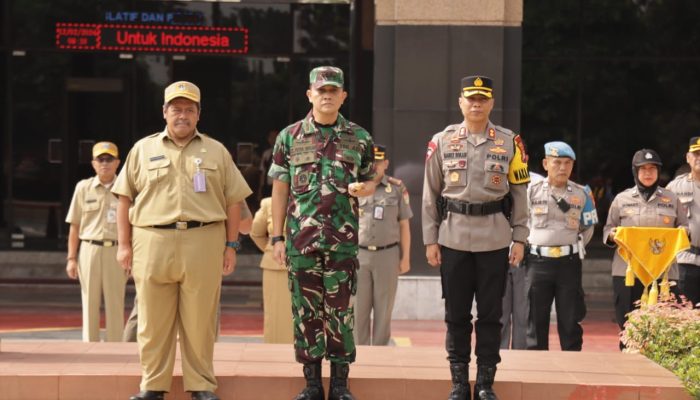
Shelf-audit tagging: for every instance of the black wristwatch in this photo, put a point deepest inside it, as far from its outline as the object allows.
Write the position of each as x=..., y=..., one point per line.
x=276, y=239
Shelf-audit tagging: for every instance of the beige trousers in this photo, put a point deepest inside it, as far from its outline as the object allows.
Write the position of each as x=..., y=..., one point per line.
x=278, y=326
x=100, y=273
x=177, y=274
x=377, y=281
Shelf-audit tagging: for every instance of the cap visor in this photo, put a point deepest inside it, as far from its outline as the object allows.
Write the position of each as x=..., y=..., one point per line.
x=693, y=148
x=110, y=152
x=317, y=85
x=469, y=93
x=185, y=95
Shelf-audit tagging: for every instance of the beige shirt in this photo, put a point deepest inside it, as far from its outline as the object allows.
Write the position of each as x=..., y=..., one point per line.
x=261, y=231
x=94, y=209
x=475, y=169
x=688, y=192
x=158, y=176
x=549, y=225
x=663, y=209
x=381, y=212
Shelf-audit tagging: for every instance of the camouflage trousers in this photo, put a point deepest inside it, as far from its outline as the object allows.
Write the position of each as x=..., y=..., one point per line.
x=323, y=286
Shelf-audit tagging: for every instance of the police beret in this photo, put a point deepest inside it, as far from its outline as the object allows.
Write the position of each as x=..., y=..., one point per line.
x=477, y=84
x=559, y=149
x=646, y=156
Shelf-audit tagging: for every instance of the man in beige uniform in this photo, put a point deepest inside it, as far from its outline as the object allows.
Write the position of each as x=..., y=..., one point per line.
x=474, y=207
x=179, y=198
x=93, y=221
x=385, y=251
x=131, y=326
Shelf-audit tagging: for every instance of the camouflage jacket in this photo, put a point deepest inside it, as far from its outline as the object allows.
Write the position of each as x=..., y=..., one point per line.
x=319, y=163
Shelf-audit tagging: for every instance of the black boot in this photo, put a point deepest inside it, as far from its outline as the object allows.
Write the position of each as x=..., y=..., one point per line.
x=339, y=383
x=314, y=386
x=148, y=395
x=485, y=375
x=460, y=382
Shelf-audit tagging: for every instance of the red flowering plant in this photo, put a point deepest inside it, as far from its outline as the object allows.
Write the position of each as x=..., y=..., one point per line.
x=668, y=333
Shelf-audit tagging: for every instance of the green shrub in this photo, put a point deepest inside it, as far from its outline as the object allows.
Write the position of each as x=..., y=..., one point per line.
x=668, y=333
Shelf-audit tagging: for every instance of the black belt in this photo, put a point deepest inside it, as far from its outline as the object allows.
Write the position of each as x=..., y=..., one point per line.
x=181, y=225
x=694, y=249
x=461, y=207
x=104, y=243
x=377, y=248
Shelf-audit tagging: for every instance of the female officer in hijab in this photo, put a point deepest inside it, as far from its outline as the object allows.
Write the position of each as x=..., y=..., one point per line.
x=645, y=204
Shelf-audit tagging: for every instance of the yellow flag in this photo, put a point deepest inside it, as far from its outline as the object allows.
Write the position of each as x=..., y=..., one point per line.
x=649, y=252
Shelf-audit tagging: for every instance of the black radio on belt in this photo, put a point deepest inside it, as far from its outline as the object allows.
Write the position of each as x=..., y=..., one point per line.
x=562, y=204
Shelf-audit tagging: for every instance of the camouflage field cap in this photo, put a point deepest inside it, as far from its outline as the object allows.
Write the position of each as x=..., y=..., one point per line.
x=184, y=89
x=379, y=152
x=101, y=148
x=326, y=75
x=478, y=84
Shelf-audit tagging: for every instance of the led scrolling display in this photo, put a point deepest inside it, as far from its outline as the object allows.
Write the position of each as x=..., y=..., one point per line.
x=151, y=38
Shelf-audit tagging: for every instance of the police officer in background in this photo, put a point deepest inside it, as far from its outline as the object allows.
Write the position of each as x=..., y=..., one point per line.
x=178, y=215
x=474, y=207
x=320, y=165
x=646, y=204
x=93, y=221
x=515, y=308
x=687, y=188
x=385, y=250
x=562, y=218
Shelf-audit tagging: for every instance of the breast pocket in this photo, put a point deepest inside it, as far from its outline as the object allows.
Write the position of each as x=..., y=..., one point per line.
x=91, y=206
x=211, y=173
x=456, y=177
x=302, y=168
x=495, y=177
x=158, y=171
x=630, y=216
x=667, y=217
x=391, y=209
x=538, y=214
x=345, y=168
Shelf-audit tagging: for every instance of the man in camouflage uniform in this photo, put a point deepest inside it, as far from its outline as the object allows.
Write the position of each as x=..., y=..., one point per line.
x=474, y=207
x=321, y=164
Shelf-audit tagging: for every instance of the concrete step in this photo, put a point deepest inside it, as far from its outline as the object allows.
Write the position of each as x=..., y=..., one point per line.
x=74, y=370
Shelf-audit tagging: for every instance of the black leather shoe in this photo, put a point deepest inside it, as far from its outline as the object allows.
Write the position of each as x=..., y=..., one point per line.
x=204, y=395
x=148, y=395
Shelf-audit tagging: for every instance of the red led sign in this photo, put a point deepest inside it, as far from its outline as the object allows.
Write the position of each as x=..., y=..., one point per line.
x=151, y=38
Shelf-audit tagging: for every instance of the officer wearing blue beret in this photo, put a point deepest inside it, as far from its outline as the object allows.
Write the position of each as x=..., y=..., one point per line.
x=562, y=217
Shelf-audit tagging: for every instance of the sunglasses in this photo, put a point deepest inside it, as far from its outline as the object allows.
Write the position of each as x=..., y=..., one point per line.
x=107, y=159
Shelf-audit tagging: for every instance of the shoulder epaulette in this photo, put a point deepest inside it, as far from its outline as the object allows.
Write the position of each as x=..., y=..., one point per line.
x=504, y=130
x=394, y=181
